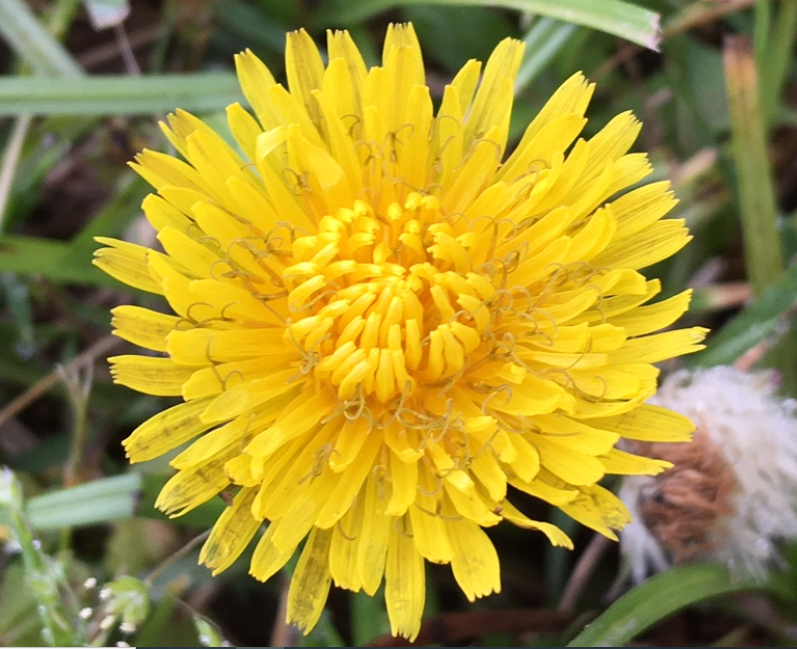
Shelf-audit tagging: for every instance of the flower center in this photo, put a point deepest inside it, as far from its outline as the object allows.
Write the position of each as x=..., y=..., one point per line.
x=386, y=304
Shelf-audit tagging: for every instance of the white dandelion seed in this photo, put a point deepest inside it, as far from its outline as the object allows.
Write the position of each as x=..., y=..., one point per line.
x=731, y=495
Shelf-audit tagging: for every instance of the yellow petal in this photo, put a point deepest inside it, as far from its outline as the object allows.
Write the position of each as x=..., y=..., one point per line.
x=304, y=68
x=161, y=170
x=161, y=377
x=197, y=258
x=648, y=423
x=534, y=154
x=347, y=537
x=598, y=509
x=143, y=327
x=348, y=445
x=301, y=415
x=243, y=397
x=646, y=319
x=376, y=530
x=165, y=431
x=658, y=347
x=205, y=346
x=492, y=105
x=244, y=129
x=126, y=262
x=231, y=533
x=572, y=97
x=475, y=562
x=311, y=580
x=160, y=213
x=255, y=77
x=572, y=466
x=267, y=559
x=341, y=46
x=189, y=489
x=487, y=471
x=556, y=536
x=237, y=431
x=642, y=207
x=405, y=585
x=351, y=480
x=430, y=534
x=658, y=241
x=619, y=462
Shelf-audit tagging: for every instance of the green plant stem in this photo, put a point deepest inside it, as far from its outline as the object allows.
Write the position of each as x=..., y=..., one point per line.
x=761, y=29
x=61, y=16
x=43, y=575
x=774, y=67
x=763, y=252
x=11, y=161
x=759, y=214
x=78, y=388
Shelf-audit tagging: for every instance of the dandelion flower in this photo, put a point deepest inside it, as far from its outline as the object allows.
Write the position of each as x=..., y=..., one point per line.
x=385, y=324
x=732, y=492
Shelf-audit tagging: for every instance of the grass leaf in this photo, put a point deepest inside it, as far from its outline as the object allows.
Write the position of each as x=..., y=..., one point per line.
x=543, y=42
x=31, y=41
x=48, y=258
x=94, y=502
x=623, y=19
x=756, y=323
x=118, y=95
x=654, y=600
x=757, y=203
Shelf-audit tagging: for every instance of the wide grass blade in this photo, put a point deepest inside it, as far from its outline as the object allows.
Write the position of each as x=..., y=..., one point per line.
x=757, y=203
x=94, y=502
x=51, y=259
x=656, y=599
x=543, y=42
x=752, y=326
x=31, y=41
x=623, y=19
x=118, y=95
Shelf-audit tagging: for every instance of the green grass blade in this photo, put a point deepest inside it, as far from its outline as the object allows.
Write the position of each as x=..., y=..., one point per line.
x=763, y=254
x=118, y=95
x=31, y=41
x=757, y=322
x=95, y=502
x=623, y=19
x=778, y=58
x=654, y=600
x=51, y=259
x=763, y=251
x=543, y=41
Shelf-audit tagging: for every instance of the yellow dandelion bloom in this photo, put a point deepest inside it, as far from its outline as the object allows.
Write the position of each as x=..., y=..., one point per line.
x=385, y=325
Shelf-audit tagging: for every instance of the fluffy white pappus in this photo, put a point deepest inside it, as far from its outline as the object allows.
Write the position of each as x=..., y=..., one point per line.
x=731, y=495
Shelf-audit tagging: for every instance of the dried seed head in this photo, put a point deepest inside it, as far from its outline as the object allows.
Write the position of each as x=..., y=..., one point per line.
x=732, y=492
